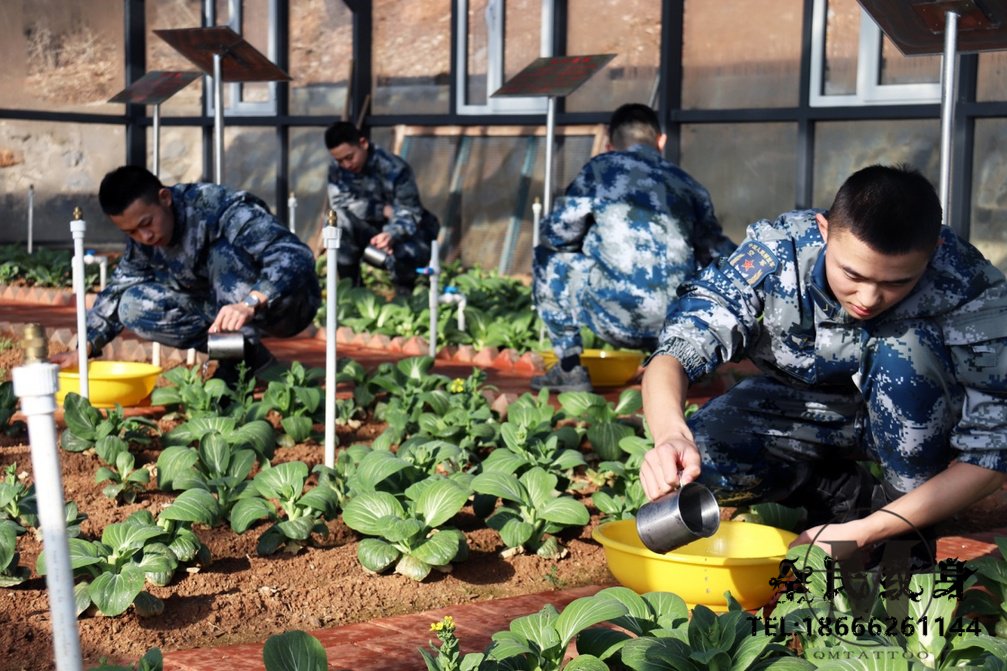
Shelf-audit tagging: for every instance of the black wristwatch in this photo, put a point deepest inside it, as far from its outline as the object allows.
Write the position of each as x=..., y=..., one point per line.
x=252, y=301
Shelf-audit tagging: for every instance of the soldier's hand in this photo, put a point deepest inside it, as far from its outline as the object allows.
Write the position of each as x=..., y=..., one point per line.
x=65, y=359
x=383, y=241
x=232, y=317
x=389, y=212
x=672, y=463
x=838, y=540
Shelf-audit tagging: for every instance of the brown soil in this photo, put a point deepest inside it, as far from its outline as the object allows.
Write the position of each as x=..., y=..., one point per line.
x=242, y=597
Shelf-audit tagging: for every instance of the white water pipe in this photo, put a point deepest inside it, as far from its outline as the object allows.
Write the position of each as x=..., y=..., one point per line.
x=77, y=229
x=330, y=237
x=31, y=215
x=452, y=296
x=434, y=271
x=155, y=354
x=90, y=258
x=36, y=383
x=292, y=213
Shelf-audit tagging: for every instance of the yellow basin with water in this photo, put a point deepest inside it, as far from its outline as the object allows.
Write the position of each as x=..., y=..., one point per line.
x=740, y=558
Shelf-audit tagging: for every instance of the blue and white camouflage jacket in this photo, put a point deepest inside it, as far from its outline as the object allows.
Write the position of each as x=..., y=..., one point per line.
x=770, y=302
x=204, y=214
x=386, y=179
x=646, y=224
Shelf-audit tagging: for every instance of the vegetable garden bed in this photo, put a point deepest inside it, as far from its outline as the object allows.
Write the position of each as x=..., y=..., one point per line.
x=245, y=594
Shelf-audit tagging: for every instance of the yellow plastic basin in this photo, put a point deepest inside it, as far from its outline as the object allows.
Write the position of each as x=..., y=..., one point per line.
x=740, y=558
x=607, y=368
x=110, y=382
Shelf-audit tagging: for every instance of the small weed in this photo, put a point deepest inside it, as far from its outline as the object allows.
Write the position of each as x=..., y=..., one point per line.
x=552, y=577
x=7, y=343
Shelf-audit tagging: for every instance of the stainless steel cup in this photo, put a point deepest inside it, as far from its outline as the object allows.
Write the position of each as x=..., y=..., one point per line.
x=226, y=345
x=678, y=518
x=375, y=257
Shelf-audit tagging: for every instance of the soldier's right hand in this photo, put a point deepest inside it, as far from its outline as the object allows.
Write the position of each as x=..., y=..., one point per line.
x=64, y=359
x=672, y=463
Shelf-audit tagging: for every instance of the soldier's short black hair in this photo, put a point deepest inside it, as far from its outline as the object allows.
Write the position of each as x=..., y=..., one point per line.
x=123, y=186
x=633, y=123
x=894, y=209
x=342, y=132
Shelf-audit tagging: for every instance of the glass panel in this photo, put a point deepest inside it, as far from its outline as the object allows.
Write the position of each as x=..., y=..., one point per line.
x=747, y=168
x=843, y=147
x=181, y=154
x=412, y=57
x=161, y=56
x=522, y=35
x=632, y=75
x=61, y=55
x=477, y=60
x=741, y=53
x=842, y=45
x=321, y=54
x=255, y=30
x=899, y=69
x=309, y=170
x=992, y=84
x=65, y=163
x=989, y=199
x=248, y=164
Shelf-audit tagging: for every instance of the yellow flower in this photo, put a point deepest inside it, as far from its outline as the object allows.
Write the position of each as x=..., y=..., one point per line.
x=448, y=623
x=457, y=386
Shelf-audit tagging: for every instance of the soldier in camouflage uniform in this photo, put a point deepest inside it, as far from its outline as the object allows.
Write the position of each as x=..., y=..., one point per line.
x=201, y=259
x=880, y=335
x=631, y=228
x=374, y=196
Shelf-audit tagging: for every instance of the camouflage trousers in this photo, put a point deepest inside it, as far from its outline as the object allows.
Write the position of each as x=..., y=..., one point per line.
x=760, y=439
x=407, y=255
x=164, y=312
x=566, y=302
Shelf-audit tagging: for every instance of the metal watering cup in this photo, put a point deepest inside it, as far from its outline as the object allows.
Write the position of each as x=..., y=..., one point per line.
x=376, y=257
x=229, y=345
x=678, y=518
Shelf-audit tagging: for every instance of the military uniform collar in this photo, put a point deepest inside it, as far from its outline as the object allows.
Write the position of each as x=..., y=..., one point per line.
x=820, y=290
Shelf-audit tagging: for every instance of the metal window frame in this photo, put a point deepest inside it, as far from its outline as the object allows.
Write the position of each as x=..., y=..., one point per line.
x=495, y=62
x=235, y=104
x=869, y=91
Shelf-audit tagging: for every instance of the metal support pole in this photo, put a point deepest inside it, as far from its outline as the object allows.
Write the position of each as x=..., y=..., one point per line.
x=157, y=140
x=218, y=121
x=77, y=229
x=949, y=79
x=330, y=236
x=550, y=141
x=36, y=383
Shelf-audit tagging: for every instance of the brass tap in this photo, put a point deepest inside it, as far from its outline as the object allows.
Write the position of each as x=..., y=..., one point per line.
x=78, y=213
x=332, y=217
x=35, y=345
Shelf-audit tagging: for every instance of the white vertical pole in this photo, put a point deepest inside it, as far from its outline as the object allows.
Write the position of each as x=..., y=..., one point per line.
x=292, y=213
x=949, y=76
x=36, y=383
x=330, y=236
x=155, y=349
x=77, y=230
x=435, y=295
x=31, y=215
